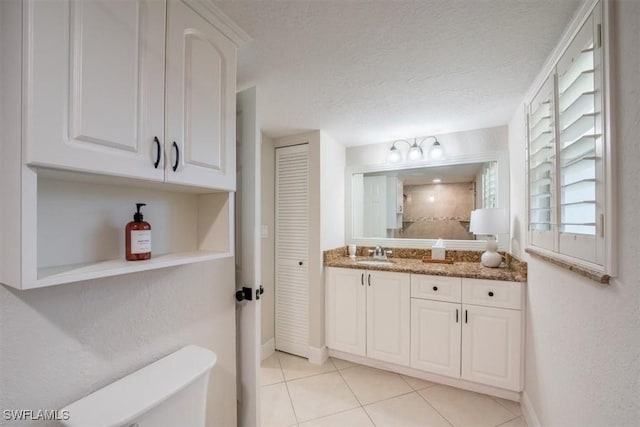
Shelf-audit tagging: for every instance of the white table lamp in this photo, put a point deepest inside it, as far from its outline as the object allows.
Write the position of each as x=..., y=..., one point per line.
x=490, y=222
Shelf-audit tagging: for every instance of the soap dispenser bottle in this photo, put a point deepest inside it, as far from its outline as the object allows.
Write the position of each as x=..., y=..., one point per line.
x=138, y=237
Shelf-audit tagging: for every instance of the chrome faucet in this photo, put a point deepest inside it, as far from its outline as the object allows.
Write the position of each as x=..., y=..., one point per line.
x=380, y=253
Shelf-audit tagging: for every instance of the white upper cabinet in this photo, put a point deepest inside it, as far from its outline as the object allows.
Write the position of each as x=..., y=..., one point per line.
x=95, y=86
x=95, y=91
x=201, y=76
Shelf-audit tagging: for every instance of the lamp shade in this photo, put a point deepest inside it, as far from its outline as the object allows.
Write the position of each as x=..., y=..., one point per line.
x=489, y=221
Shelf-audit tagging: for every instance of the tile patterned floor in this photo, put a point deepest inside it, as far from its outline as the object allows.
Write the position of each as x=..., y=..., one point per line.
x=295, y=392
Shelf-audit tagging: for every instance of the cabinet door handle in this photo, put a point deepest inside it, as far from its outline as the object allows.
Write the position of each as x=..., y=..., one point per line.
x=369, y=279
x=362, y=279
x=175, y=165
x=157, y=162
x=456, y=315
x=435, y=288
x=490, y=293
x=466, y=316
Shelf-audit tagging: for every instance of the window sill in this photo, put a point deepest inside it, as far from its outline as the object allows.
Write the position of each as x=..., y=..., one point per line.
x=583, y=271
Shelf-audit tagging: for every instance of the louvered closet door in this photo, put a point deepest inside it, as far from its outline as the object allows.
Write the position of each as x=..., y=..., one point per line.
x=292, y=232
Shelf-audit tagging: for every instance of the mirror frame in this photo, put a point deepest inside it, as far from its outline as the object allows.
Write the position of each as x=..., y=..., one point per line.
x=502, y=159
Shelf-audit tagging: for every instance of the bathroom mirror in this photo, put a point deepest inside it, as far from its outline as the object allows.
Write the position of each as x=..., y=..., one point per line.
x=414, y=205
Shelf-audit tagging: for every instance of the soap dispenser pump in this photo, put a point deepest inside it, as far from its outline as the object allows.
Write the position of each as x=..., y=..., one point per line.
x=138, y=237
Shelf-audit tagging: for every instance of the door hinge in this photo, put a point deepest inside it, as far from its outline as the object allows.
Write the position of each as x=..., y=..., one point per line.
x=599, y=35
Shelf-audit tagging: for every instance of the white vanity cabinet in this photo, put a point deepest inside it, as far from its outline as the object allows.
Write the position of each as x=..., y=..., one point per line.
x=435, y=324
x=492, y=332
x=388, y=316
x=435, y=337
x=346, y=310
x=468, y=328
x=95, y=81
x=368, y=313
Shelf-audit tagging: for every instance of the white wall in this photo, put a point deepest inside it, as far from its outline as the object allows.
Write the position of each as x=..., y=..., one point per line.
x=60, y=343
x=267, y=189
x=332, y=167
x=582, y=338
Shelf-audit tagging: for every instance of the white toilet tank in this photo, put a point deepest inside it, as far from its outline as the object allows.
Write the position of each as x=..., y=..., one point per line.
x=168, y=393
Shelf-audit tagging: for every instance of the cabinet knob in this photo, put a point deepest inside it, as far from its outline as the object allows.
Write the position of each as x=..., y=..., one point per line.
x=435, y=288
x=490, y=293
x=300, y=263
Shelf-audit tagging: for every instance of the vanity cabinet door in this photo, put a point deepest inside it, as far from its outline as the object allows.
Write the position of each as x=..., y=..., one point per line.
x=491, y=346
x=388, y=316
x=346, y=310
x=94, y=96
x=200, y=101
x=435, y=337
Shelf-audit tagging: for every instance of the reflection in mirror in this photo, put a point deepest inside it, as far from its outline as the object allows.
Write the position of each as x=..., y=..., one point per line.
x=423, y=203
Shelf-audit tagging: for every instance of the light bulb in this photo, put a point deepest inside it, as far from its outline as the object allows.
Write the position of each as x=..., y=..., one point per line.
x=436, y=151
x=415, y=153
x=394, y=155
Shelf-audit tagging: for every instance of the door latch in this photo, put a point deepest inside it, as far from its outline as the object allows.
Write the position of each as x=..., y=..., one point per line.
x=244, y=294
x=247, y=293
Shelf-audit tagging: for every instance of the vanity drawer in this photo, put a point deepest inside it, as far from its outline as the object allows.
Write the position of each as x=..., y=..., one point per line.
x=493, y=293
x=436, y=288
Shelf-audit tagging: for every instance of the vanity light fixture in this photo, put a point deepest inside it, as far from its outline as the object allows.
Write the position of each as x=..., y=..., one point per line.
x=437, y=181
x=415, y=152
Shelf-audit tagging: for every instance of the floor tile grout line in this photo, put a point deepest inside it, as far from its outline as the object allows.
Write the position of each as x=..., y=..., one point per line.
x=361, y=405
x=315, y=375
x=435, y=409
x=405, y=380
x=508, y=421
x=295, y=414
x=330, y=415
x=498, y=402
x=308, y=376
x=350, y=389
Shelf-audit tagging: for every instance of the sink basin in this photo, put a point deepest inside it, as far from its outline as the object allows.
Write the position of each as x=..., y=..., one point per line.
x=380, y=263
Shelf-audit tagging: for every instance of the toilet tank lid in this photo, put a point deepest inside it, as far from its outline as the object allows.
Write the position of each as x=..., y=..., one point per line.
x=126, y=399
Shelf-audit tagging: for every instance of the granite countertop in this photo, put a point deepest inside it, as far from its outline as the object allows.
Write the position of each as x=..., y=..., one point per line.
x=463, y=268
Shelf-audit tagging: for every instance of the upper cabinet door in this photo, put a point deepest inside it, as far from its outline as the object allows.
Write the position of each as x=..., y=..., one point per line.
x=200, y=101
x=94, y=85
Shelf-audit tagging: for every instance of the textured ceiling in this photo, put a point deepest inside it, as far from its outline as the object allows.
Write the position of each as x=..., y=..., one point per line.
x=373, y=71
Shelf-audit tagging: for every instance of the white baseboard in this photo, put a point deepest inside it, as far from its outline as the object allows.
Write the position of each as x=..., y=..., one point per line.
x=440, y=379
x=318, y=355
x=529, y=413
x=268, y=349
